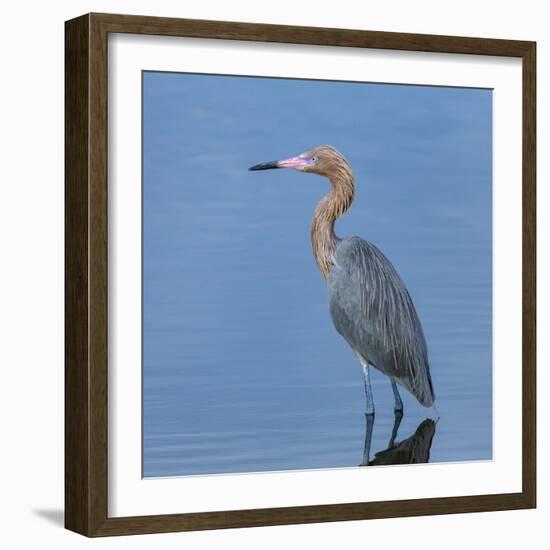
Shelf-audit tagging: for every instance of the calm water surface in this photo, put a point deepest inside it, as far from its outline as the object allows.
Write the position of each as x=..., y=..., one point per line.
x=243, y=369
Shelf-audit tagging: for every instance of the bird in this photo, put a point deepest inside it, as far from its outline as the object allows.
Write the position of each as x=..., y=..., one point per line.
x=370, y=305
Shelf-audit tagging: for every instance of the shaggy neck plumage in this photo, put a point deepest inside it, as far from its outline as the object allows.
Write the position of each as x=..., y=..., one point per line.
x=333, y=205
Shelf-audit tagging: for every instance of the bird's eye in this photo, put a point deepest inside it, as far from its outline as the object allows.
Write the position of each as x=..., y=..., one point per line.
x=314, y=159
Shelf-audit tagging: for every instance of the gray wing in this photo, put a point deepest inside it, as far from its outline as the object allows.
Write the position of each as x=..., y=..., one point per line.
x=373, y=311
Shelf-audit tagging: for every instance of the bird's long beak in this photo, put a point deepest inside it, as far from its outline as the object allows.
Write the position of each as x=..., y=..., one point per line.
x=298, y=163
x=266, y=165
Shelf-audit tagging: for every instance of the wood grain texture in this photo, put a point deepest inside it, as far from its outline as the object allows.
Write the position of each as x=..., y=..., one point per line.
x=98, y=276
x=262, y=32
x=77, y=459
x=529, y=274
x=86, y=253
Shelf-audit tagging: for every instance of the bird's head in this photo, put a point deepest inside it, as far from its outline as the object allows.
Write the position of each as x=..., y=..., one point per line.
x=324, y=160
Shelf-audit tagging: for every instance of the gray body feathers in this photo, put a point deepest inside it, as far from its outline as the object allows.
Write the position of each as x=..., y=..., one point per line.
x=373, y=311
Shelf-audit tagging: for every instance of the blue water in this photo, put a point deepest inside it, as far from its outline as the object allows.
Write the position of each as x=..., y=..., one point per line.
x=243, y=370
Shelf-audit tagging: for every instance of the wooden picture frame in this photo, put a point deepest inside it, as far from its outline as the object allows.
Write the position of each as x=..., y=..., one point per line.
x=86, y=283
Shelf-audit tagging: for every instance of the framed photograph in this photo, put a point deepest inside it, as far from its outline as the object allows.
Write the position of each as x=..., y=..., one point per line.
x=300, y=274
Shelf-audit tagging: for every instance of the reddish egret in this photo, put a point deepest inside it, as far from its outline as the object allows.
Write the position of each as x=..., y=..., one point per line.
x=369, y=304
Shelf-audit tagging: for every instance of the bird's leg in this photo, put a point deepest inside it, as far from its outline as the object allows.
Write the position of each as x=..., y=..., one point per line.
x=398, y=407
x=369, y=414
x=396, y=423
x=368, y=389
x=368, y=438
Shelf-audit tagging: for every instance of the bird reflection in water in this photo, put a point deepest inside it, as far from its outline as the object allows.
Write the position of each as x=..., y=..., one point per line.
x=413, y=450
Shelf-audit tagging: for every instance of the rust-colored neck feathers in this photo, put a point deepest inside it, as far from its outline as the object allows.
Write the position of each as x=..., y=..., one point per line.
x=333, y=205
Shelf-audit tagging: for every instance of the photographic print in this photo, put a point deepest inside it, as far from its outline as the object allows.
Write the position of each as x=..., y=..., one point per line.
x=317, y=274
x=300, y=277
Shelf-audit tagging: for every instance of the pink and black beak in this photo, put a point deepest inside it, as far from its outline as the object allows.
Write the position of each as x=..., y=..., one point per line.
x=298, y=163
